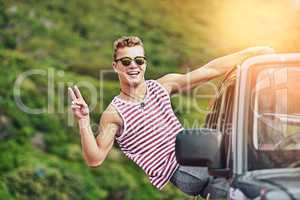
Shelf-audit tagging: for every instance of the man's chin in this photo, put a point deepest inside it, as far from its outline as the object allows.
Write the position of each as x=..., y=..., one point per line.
x=134, y=82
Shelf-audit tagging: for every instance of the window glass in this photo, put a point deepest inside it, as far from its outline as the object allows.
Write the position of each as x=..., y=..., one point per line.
x=276, y=109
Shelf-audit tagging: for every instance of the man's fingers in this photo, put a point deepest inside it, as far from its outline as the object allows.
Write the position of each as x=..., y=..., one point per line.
x=71, y=94
x=75, y=106
x=269, y=50
x=78, y=102
x=265, y=50
x=77, y=92
x=261, y=50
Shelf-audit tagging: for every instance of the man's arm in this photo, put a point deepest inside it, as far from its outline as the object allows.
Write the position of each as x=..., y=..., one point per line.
x=96, y=149
x=181, y=82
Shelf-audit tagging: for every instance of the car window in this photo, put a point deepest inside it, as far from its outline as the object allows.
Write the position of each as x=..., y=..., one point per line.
x=213, y=116
x=227, y=112
x=221, y=114
x=274, y=117
x=277, y=109
x=226, y=121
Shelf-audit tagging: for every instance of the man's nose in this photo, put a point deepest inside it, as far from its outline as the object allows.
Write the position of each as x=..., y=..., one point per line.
x=133, y=64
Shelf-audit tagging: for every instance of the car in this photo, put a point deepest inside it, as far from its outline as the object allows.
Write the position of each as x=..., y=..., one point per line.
x=252, y=132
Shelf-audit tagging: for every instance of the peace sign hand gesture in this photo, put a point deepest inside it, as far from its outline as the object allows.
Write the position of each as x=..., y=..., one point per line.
x=79, y=107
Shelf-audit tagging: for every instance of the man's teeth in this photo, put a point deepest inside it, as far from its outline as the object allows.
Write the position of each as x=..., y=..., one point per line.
x=133, y=73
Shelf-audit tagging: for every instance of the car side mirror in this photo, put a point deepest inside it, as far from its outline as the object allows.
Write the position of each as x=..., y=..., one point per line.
x=201, y=147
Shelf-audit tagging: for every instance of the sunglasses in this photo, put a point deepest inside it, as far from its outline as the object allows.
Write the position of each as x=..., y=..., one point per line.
x=126, y=61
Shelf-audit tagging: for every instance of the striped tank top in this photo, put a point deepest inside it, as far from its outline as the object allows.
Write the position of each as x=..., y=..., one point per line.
x=149, y=133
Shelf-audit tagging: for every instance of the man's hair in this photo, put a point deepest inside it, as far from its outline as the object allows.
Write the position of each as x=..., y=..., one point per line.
x=126, y=41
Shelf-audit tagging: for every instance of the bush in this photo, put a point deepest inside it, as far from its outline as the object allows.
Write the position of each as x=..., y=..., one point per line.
x=45, y=183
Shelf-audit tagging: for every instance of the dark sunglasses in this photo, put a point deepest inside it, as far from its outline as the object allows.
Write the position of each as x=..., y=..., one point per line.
x=126, y=61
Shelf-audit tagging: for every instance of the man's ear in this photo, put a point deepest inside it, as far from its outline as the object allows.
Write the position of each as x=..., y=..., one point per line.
x=114, y=66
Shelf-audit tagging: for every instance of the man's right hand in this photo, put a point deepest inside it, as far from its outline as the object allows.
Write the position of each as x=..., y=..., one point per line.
x=78, y=105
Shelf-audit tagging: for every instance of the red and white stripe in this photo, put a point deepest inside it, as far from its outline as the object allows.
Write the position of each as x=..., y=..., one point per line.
x=149, y=132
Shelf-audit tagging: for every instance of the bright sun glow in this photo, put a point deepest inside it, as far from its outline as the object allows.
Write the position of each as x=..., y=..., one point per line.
x=258, y=22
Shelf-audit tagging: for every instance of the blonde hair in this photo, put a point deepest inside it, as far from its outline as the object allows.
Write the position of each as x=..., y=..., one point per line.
x=126, y=41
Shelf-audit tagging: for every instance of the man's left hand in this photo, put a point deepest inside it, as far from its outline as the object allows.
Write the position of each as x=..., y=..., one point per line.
x=260, y=50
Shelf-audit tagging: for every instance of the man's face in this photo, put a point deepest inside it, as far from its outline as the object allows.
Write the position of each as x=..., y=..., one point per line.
x=133, y=73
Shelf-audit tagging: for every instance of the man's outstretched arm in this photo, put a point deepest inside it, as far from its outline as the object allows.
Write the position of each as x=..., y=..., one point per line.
x=182, y=82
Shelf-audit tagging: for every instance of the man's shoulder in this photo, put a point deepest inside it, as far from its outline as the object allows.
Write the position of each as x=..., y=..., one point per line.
x=110, y=109
x=111, y=115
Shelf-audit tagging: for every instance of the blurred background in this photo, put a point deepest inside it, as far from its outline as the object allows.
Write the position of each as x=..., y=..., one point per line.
x=72, y=42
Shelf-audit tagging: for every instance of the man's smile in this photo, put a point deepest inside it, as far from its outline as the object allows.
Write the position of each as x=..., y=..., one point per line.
x=133, y=74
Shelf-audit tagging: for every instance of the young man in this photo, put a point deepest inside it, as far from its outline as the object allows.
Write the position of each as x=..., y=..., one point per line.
x=141, y=118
